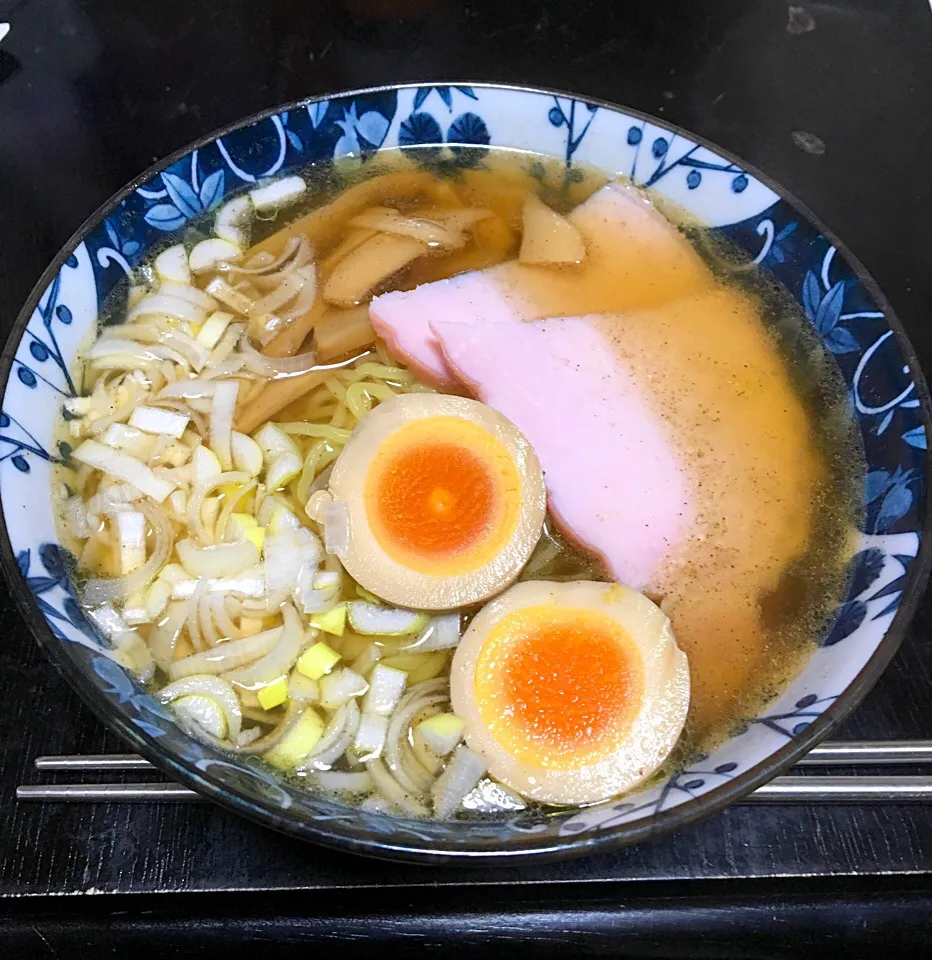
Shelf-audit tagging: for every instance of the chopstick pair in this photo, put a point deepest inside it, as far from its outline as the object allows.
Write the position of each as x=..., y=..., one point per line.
x=851, y=789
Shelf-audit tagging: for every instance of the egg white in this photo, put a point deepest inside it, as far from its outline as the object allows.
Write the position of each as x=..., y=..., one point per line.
x=644, y=744
x=366, y=560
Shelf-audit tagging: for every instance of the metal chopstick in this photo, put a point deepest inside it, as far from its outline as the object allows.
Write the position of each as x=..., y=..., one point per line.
x=844, y=790
x=790, y=789
x=104, y=792
x=828, y=754
x=93, y=763
x=867, y=753
x=786, y=789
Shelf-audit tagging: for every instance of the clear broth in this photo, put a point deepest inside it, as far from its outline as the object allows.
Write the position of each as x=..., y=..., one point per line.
x=795, y=610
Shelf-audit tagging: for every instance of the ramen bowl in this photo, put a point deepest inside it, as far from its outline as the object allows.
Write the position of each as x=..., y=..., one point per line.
x=888, y=400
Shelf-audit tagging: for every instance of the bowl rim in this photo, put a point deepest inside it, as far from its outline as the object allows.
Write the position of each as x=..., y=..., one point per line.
x=529, y=848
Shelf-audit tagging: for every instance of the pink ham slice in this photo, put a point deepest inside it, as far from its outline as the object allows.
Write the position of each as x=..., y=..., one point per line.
x=635, y=258
x=614, y=482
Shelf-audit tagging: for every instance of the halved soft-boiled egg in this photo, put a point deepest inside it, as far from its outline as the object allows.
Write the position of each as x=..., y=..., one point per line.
x=572, y=692
x=445, y=501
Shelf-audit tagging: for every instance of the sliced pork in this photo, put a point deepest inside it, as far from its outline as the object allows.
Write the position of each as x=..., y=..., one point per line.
x=635, y=258
x=614, y=481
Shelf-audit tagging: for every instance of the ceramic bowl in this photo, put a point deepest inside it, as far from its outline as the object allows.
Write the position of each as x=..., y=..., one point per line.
x=888, y=399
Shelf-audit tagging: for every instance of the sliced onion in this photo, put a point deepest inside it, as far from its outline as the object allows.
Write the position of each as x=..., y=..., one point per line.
x=264, y=260
x=411, y=761
x=208, y=686
x=198, y=715
x=234, y=367
x=389, y=220
x=229, y=508
x=109, y=622
x=294, y=245
x=465, y=769
x=164, y=305
x=492, y=798
x=424, y=689
x=205, y=619
x=306, y=297
x=134, y=390
x=231, y=220
x=233, y=606
x=192, y=389
x=271, y=279
x=412, y=779
x=141, y=358
x=279, y=660
x=366, y=660
x=192, y=622
x=255, y=744
x=391, y=789
x=129, y=649
x=225, y=347
x=291, y=560
x=122, y=466
x=335, y=520
x=192, y=350
x=187, y=291
x=75, y=510
x=261, y=745
x=230, y=296
x=143, y=332
x=441, y=633
x=275, y=324
x=319, y=601
x=132, y=653
x=332, y=732
x=374, y=619
x=429, y=760
x=187, y=408
x=227, y=656
x=339, y=782
x=323, y=759
x=164, y=636
x=100, y=590
x=113, y=347
x=164, y=420
x=203, y=489
x=249, y=736
x=217, y=560
x=339, y=686
x=271, y=196
x=162, y=331
x=176, y=476
x=221, y=421
x=291, y=285
x=277, y=367
x=218, y=609
x=303, y=688
x=249, y=584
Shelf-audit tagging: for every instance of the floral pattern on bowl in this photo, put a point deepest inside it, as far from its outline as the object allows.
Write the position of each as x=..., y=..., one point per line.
x=888, y=398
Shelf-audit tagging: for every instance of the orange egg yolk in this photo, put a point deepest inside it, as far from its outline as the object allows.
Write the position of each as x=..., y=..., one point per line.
x=557, y=686
x=443, y=495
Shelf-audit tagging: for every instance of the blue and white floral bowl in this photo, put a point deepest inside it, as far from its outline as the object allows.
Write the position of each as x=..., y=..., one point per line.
x=888, y=396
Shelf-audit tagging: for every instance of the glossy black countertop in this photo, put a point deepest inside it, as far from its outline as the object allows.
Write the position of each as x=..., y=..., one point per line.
x=830, y=99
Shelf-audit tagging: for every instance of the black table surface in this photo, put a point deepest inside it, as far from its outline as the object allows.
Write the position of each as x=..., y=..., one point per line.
x=91, y=92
